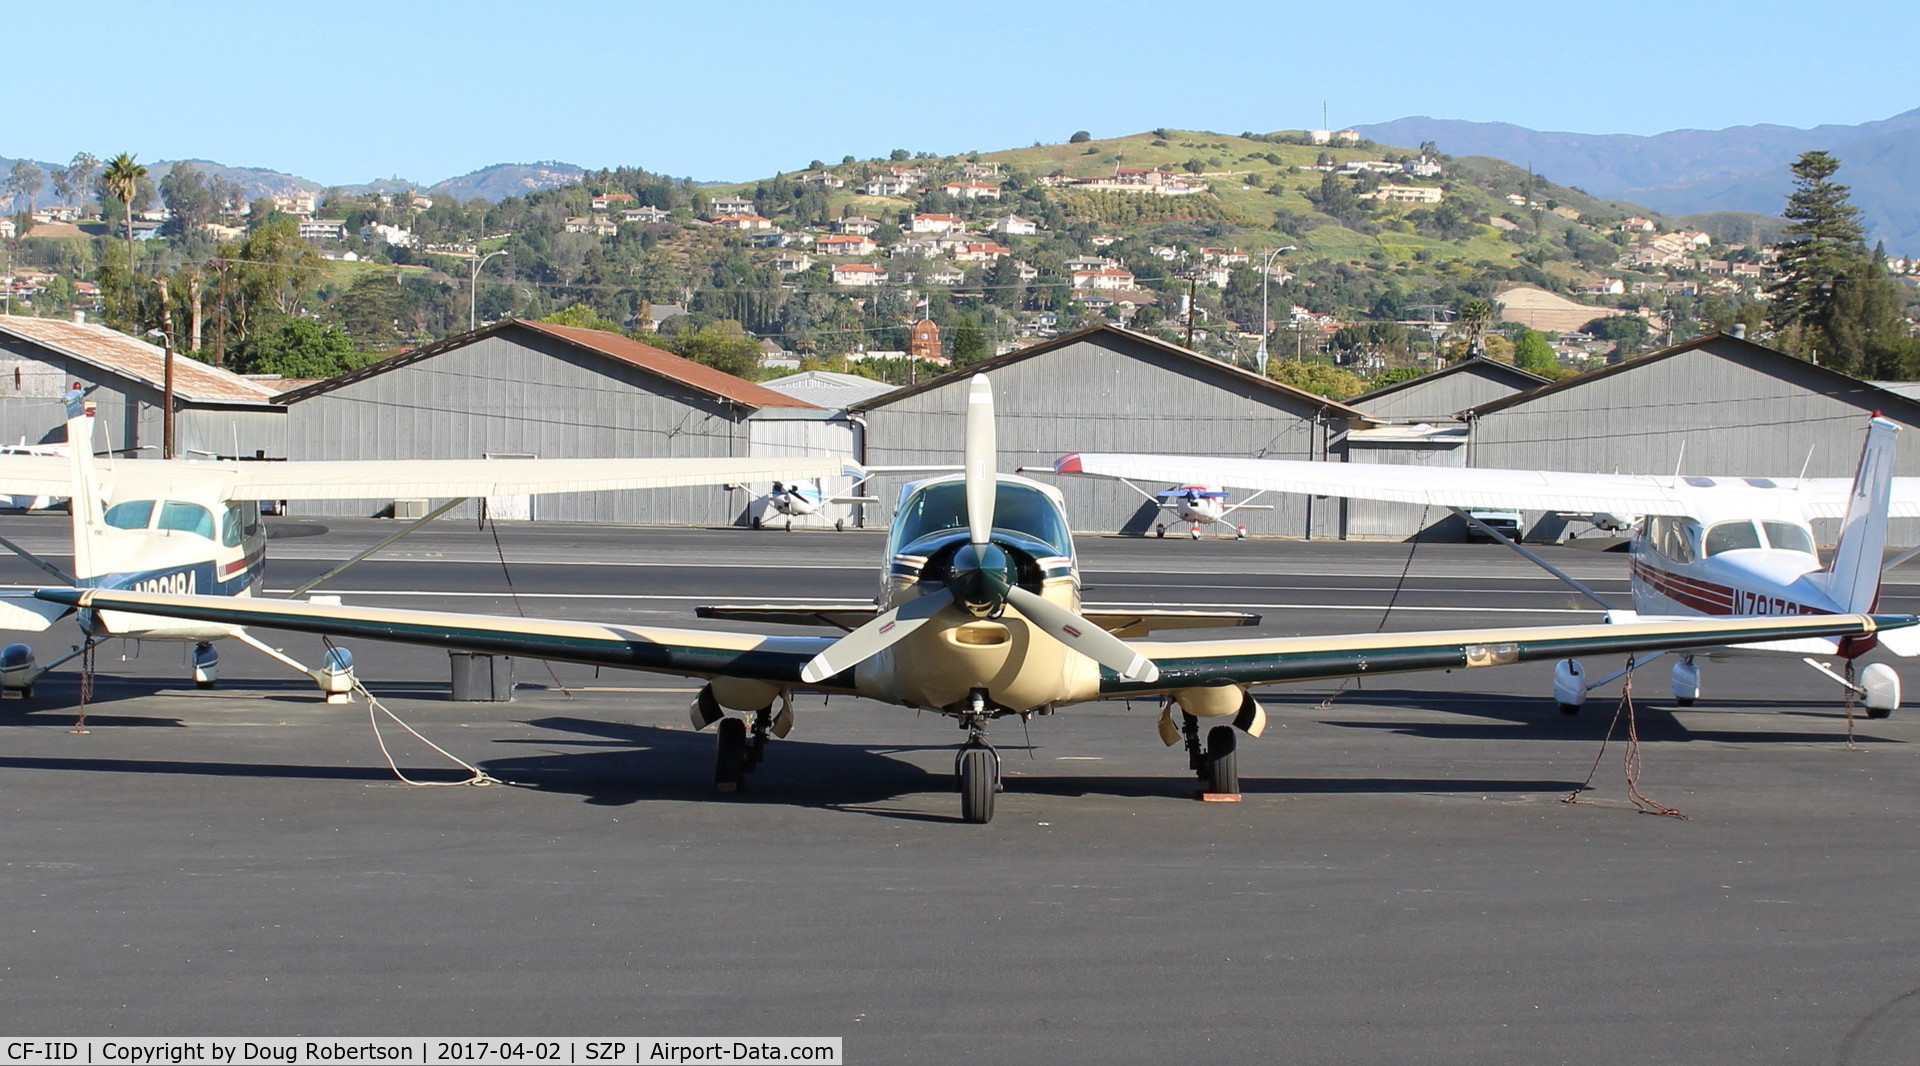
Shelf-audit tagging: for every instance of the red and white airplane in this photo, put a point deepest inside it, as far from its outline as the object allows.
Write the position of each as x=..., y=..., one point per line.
x=1196, y=506
x=1702, y=546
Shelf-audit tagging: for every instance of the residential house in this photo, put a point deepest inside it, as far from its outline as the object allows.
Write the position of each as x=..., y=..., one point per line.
x=600, y=227
x=1106, y=278
x=792, y=262
x=311, y=229
x=613, y=199
x=1101, y=240
x=981, y=253
x=1405, y=194
x=743, y=222
x=647, y=213
x=729, y=205
x=971, y=190
x=1089, y=262
x=390, y=235
x=1223, y=256
x=858, y=275
x=860, y=224
x=973, y=171
x=1604, y=287
x=1636, y=225
x=946, y=276
x=844, y=244
x=937, y=223
x=1015, y=226
x=297, y=204
x=823, y=179
x=887, y=185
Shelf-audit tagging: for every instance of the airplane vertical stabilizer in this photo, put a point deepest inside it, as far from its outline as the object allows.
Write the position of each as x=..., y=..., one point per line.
x=87, y=500
x=1853, y=578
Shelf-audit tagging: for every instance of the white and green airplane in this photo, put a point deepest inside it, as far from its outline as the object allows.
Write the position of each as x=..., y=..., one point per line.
x=979, y=618
x=193, y=526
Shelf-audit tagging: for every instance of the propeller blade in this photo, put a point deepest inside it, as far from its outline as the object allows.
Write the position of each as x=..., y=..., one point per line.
x=983, y=478
x=876, y=636
x=1084, y=637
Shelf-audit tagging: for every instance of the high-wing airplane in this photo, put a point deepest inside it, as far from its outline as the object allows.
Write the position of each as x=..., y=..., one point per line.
x=979, y=617
x=1701, y=546
x=1196, y=506
x=192, y=526
x=797, y=499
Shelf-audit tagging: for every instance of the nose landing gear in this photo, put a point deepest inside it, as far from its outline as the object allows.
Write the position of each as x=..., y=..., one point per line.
x=976, y=768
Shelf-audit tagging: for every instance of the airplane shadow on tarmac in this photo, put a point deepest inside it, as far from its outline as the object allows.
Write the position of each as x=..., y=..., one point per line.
x=1496, y=716
x=636, y=763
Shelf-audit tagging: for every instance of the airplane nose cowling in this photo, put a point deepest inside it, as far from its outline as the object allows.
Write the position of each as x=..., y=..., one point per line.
x=981, y=576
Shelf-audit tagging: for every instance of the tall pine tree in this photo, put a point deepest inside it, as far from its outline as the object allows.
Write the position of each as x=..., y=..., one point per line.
x=1833, y=301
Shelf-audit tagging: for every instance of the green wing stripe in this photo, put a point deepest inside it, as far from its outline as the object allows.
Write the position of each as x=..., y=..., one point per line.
x=1260, y=662
x=687, y=652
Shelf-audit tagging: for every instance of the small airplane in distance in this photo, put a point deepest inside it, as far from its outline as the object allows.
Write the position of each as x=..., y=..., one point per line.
x=798, y=499
x=1701, y=546
x=979, y=618
x=193, y=526
x=1198, y=505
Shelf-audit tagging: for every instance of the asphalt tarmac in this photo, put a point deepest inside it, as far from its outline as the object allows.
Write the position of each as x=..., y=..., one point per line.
x=1402, y=882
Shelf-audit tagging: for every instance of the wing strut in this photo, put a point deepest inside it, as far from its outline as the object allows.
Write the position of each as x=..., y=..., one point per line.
x=64, y=577
x=1535, y=559
x=415, y=524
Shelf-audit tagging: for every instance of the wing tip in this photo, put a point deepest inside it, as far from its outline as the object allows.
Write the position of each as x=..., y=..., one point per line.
x=1068, y=464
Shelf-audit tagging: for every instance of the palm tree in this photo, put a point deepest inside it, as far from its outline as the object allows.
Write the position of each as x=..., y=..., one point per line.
x=1475, y=316
x=122, y=179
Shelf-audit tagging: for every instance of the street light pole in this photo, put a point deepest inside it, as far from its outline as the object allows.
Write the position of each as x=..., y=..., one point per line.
x=1266, y=313
x=166, y=394
x=473, y=286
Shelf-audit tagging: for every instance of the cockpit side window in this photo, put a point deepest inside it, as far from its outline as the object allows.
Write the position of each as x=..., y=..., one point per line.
x=1789, y=536
x=1732, y=536
x=1669, y=537
x=133, y=514
x=181, y=517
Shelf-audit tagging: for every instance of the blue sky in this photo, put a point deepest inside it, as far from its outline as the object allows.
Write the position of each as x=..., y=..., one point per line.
x=424, y=89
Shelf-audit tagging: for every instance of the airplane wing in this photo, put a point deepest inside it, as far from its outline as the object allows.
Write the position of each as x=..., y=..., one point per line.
x=1266, y=661
x=688, y=652
x=697, y=653
x=429, y=478
x=36, y=475
x=1533, y=490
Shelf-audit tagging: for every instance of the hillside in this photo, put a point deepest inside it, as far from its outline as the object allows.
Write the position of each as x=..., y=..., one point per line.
x=1741, y=168
x=497, y=182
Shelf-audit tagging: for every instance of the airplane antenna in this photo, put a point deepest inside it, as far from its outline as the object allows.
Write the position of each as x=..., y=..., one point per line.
x=1681, y=458
x=1803, y=471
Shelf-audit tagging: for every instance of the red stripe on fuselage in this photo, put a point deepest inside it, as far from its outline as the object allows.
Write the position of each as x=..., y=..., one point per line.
x=1709, y=598
x=246, y=562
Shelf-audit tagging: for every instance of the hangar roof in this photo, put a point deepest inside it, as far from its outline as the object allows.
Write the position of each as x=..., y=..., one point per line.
x=828, y=389
x=1253, y=380
x=698, y=376
x=1504, y=373
x=1908, y=409
x=129, y=357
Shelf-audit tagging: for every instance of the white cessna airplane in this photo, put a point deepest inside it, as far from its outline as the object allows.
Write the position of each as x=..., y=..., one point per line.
x=979, y=617
x=1196, y=506
x=193, y=526
x=1702, y=546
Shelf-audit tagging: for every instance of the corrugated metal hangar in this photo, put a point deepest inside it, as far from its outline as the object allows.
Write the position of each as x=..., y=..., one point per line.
x=535, y=389
x=216, y=413
x=1438, y=396
x=1110, y=389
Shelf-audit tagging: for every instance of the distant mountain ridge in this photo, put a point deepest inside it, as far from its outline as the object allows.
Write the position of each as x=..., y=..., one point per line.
x=1684, y=172
x=494, y=183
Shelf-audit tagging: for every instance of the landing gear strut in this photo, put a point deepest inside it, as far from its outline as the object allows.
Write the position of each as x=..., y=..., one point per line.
x=976, y=769
x=1217, y=762
x=738, y=748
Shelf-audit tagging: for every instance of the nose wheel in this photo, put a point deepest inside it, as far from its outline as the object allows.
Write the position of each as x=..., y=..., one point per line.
x=976, y=769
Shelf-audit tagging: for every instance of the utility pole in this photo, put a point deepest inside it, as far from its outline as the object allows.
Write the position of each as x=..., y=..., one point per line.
x=1193, y=289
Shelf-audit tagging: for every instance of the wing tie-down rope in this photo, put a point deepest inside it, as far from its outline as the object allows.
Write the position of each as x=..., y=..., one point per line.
x=494, y=528
x=480, y=777
x=1630, y=758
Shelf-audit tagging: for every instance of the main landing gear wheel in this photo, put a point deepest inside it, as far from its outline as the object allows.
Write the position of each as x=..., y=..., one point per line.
x=979, y=779
x=1222, y=764
x=758, y=522
x=1160, y=531
x=730, y=754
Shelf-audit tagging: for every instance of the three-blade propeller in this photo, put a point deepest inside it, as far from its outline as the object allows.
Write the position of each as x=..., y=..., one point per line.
x=982, y=579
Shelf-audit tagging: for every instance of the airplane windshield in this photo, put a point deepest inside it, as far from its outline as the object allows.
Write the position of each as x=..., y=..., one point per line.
x=1786, y=536
x=1016, y=507
x=133, y=514
x=1732, y=536
x=186, y=518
